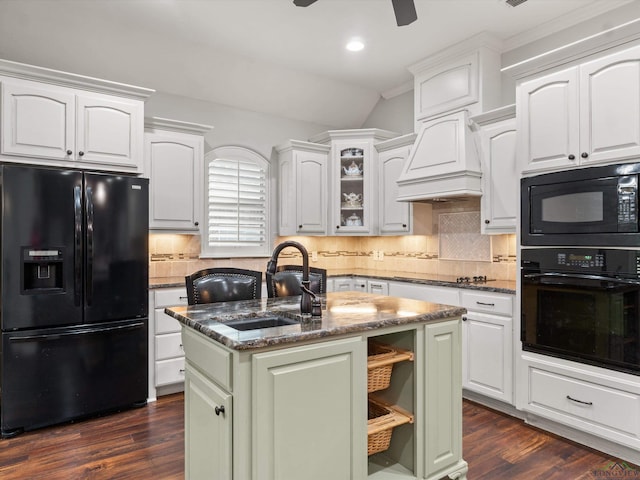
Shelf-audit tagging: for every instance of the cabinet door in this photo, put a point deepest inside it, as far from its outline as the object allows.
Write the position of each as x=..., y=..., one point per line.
x=312, y=192
x=353, y=198
x=609, y=106
x=500, y=178
x=208, y=428
x=175, y=168
x=394, y=216
x=443, y=401
x=310, y=399
x=487, y=362
x=110, y=131
x=37, y=120
x=548, y=123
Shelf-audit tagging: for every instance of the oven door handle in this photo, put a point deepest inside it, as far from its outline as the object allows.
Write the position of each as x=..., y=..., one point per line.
x=582, y=277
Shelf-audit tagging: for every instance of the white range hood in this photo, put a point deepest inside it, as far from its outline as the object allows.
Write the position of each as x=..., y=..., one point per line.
x=444, y=162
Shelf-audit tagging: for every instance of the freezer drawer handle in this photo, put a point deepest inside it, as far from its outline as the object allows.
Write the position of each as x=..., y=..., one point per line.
x=58, y=336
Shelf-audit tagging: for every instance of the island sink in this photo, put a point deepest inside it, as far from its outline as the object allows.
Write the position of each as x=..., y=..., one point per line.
x=255, y=323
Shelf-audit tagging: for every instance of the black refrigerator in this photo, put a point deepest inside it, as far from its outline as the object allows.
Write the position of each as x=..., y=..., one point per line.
x=74, y=295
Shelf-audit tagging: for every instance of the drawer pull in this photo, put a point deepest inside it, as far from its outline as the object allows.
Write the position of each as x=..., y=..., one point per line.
x=181, y=370
x=486, y=304
x=183, y=298
x=579, y=401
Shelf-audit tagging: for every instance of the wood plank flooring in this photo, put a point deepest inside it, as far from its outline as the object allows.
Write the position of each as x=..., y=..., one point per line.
x=148, y=443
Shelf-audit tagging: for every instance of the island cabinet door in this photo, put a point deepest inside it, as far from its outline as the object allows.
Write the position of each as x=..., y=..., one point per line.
x=443, y=402
x=208, y=421
x=309, y=415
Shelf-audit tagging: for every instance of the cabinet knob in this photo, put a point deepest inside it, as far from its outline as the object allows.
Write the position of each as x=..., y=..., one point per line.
x=404, y=225
x=572, y=157
x=487, y=221
x=299, y=227
x=337, y=227
x=196, y=223
x=464, y=318
x=584, y=154
x=219, y=410
x=81, y=153
x=69, y=152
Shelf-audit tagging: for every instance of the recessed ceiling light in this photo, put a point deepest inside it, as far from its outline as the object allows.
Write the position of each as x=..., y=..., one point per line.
x=355, y=45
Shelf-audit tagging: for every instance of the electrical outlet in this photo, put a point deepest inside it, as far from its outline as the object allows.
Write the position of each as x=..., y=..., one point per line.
x=381, y=255
x=375, y=255
x=314, y=256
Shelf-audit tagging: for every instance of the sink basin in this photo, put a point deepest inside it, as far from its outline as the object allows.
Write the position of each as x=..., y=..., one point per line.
x=255, y=323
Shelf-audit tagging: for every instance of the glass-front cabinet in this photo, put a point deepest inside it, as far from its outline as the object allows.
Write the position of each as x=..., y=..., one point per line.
x=353, y=176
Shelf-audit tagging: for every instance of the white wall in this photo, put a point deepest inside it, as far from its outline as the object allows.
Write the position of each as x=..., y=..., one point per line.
x=232, y=126
x=395, y=114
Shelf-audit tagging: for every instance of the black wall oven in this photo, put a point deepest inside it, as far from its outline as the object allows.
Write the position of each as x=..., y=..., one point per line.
x=588, y=206
x=582, y=304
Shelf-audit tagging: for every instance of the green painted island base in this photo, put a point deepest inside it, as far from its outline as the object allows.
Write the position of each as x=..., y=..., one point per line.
x=299, y=412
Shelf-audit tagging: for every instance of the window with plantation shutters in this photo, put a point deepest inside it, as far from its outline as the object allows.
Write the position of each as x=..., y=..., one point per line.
x=237, y=203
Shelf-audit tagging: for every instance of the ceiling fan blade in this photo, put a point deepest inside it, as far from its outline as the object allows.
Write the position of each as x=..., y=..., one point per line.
x=303, y=3
x=405, y=11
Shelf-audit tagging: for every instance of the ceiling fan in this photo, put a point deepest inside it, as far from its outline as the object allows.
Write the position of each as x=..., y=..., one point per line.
x=405, y=10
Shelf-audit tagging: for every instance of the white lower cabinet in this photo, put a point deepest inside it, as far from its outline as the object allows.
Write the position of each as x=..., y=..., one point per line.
x=166, y=352
x=600, y=402
x=487, y=345
x=300, y=412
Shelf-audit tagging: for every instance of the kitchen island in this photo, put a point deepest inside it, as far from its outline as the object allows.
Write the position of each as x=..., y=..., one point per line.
x=290, y=401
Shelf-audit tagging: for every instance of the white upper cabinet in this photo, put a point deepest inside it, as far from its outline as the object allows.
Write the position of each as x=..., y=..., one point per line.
x=109, y=131
x=584, y=115
x=303, y=188
x=500, y=174
x=61, y=119
x=353, y=179
x=394, y=218
x=174, y=153
x=37, y=120
x=464, y=75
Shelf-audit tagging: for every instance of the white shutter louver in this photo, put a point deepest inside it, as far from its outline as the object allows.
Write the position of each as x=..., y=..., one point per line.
x=237, y=203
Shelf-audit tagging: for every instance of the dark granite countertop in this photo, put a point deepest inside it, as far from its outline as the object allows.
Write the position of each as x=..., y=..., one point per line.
x=343, y=312
x=499, y=286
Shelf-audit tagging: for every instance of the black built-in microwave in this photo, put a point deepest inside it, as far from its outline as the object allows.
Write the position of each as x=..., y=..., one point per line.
x=587, y=206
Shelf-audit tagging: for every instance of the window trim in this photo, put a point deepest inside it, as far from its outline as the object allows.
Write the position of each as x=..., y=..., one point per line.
x=246, y=155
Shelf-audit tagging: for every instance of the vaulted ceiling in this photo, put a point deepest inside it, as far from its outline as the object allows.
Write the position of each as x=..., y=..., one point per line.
x=267, y=55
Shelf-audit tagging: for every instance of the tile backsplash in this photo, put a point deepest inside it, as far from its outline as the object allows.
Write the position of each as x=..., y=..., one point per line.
x=455, y=247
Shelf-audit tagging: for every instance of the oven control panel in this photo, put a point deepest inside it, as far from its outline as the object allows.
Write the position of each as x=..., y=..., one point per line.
x=601, y=261
x=581, y=260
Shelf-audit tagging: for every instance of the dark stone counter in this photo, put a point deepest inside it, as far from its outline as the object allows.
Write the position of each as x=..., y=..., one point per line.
x=343, y=312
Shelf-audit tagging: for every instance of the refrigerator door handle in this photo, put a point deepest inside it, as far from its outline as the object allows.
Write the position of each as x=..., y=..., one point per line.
x=89, y=273
x=57, y=336
x=77, y=244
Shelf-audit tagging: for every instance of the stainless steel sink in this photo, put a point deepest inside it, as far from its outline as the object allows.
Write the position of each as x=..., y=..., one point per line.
x=255, y=323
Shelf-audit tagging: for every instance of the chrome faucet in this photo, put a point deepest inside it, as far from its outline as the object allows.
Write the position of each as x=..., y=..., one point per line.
x=309, y=302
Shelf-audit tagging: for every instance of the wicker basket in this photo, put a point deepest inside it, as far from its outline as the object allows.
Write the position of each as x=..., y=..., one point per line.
x=380, y=362
x=382, y=419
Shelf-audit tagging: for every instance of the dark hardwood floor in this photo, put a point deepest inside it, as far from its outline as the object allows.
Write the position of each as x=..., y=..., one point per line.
x=148, y=443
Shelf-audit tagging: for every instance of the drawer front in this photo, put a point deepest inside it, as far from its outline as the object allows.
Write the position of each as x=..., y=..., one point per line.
x=488, y=302
x=165, y=323
x=614, y=412
x=168, y=297
x=169, y=346
x=169, y=371
x=212, y=360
